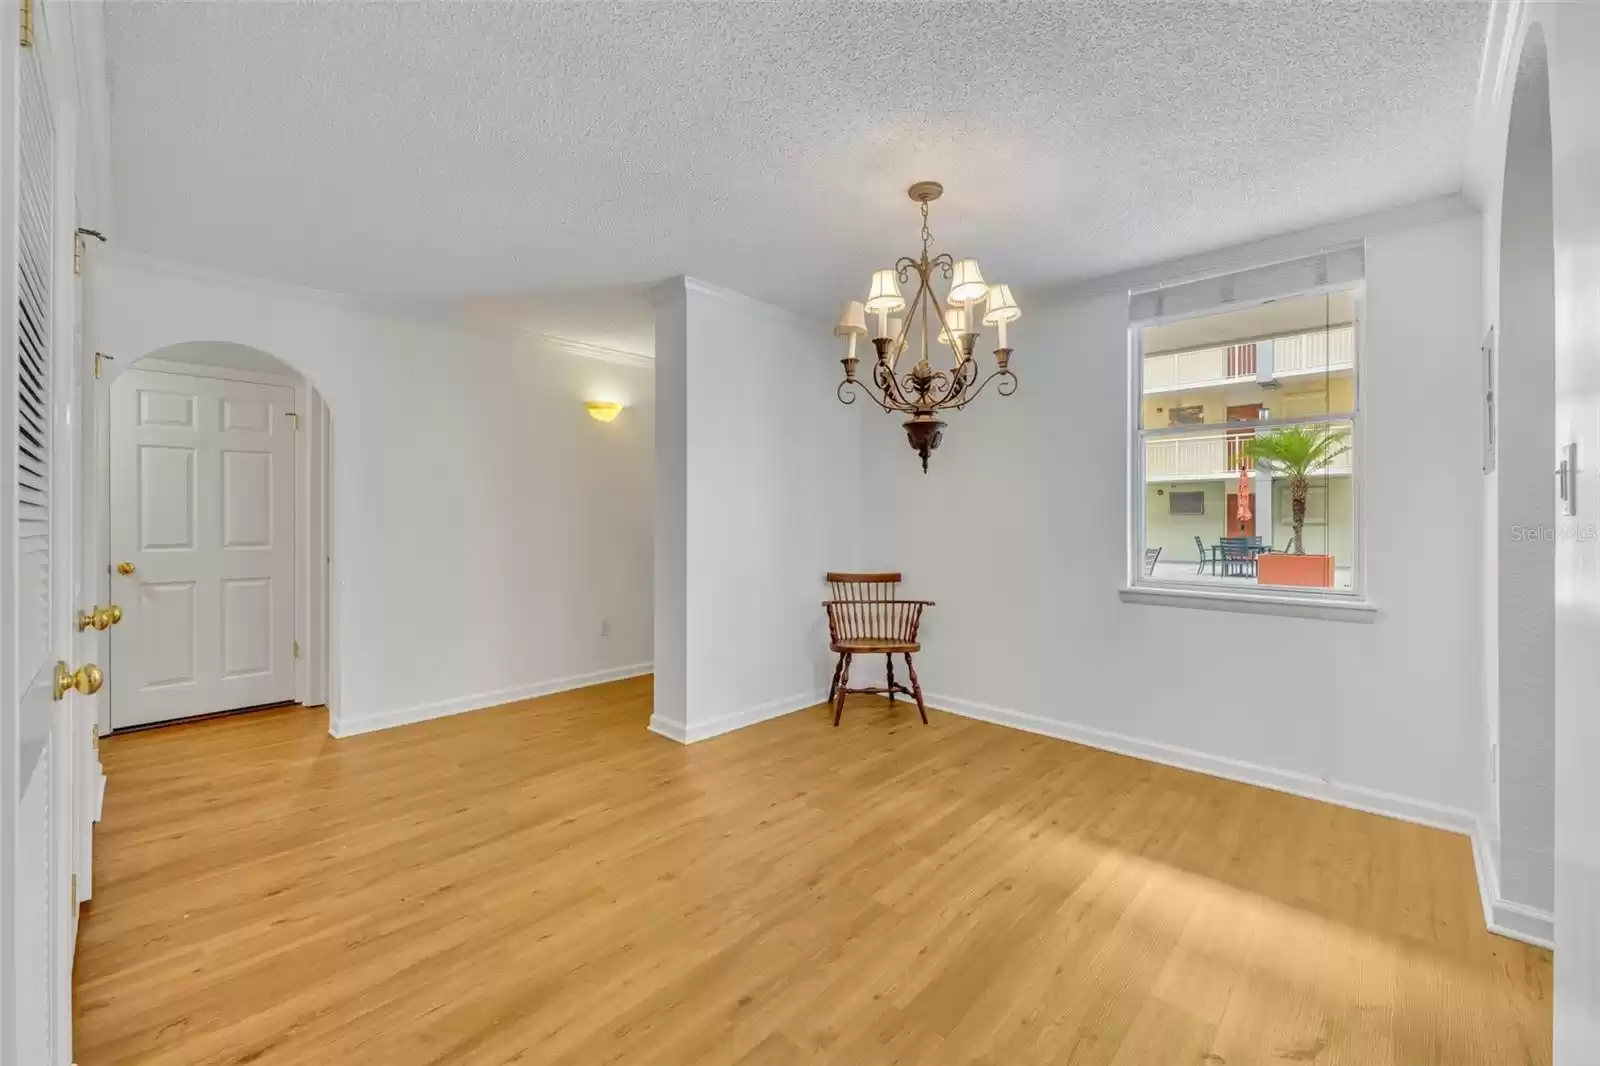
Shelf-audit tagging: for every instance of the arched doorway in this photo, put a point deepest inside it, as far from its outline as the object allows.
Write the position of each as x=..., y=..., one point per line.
x=1528, y=524
x=213, y=496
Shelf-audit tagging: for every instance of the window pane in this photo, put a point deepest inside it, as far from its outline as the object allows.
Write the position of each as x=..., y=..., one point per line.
x=1285, y=359
x=1194, y=514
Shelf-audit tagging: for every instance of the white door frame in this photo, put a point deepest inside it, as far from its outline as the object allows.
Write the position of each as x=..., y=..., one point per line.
x=313, y=486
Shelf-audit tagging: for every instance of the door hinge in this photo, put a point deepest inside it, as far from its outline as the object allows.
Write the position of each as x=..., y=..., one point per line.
x=296, y=417
x=27, y=24
x=297, y=649
x=74, y=888
x=77, y=246
x=100, y=362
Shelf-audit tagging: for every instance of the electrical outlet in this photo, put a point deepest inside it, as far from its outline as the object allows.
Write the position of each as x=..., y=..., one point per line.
x=605, y=627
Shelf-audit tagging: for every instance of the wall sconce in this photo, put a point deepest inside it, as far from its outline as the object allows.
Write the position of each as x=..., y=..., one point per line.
x=602, y=410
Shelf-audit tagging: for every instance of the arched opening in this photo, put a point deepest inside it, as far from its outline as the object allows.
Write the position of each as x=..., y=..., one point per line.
x=213, y=489
x=1528, y=522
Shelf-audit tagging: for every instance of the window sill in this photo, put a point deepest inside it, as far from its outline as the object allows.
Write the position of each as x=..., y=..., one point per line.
x=1290, y=606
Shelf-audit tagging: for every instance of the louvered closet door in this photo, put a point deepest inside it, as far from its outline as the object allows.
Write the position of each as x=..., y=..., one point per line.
x=202, y=510
x=35, y=614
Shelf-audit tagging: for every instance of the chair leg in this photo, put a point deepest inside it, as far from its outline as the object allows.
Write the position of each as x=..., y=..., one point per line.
x=844, y=680
x=916, y=689
x=833, y=686
x=890, y=660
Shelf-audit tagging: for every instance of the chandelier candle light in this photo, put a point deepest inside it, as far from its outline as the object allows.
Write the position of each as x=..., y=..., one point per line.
x=923, y=392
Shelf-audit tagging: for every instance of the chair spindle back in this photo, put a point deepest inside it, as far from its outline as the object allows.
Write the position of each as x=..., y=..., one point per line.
x=868, y=607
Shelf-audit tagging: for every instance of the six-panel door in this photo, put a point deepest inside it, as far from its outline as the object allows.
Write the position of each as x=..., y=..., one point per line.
x=202, y=508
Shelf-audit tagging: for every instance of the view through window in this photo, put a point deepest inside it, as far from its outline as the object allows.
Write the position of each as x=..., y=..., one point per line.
x=1245, y=447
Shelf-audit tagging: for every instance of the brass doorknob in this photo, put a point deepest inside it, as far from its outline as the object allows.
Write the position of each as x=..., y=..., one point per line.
x=101, y=618
x=87, y=679
x=125, y=569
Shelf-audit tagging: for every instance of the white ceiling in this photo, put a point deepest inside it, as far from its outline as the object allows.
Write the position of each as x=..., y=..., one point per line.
x=509, y=156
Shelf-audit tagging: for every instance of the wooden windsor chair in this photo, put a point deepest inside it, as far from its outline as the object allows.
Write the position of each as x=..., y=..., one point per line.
x=867, y=617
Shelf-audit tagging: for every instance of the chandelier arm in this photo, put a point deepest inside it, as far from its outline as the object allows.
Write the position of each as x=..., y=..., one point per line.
x=849, y=397
x=1009, y=378
x=901, y=266
x=946, y=263
x=961, y=380
x=893, y=398
x=956, y=381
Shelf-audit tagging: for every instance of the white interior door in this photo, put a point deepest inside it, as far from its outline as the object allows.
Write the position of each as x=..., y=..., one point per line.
x=202, y=545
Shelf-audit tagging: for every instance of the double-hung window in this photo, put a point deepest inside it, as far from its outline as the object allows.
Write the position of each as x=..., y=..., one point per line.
x=1246, y=433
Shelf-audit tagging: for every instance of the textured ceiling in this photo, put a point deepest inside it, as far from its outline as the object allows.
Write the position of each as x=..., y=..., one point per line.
x=429, y=153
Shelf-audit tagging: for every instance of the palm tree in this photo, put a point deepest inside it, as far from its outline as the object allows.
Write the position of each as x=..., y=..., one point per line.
x=1296, y=452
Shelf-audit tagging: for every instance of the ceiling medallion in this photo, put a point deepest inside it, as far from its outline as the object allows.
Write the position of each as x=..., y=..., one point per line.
x=923, y=392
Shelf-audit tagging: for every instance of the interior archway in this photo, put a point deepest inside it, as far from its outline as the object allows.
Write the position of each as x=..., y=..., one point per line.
x=315, y=605
x=1528, y=522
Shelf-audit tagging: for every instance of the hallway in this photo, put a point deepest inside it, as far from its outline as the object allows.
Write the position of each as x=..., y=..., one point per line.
x=547, y=882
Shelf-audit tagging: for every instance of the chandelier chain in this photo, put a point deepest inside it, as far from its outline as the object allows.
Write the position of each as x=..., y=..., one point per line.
x=927, y=234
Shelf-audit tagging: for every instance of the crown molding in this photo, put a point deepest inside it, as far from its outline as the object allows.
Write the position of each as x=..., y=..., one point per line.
x=676, y=289
x=586, y=350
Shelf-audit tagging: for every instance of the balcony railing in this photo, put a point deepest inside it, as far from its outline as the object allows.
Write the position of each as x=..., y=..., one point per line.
x=1310, y=352
x=1206, y=457
x=1296, y=353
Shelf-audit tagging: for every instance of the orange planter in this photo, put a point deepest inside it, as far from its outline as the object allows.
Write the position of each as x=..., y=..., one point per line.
x=1306, y=571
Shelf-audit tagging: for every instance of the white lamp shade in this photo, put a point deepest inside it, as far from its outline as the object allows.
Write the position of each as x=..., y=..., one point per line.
x=1002, y=307
x=852, y=320
x=955, y=321
x=885, y=292
x=967, y=286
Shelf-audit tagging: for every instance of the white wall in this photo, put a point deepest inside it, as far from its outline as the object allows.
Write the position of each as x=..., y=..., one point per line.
x=1018, y=532
x=1571, y=33
x=484, y=525
x=767, y=457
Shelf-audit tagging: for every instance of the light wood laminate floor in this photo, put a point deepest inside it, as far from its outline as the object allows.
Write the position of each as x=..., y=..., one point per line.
x=549, y=883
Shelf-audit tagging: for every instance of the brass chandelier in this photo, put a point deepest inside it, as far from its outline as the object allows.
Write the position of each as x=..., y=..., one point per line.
x=923, y=392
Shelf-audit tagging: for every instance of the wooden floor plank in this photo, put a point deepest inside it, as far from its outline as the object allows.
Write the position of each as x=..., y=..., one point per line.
x=548, y=882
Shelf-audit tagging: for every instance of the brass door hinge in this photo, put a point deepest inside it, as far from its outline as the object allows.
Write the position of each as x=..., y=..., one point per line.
x=27, y=24
x=291, y=414
x=77, y=246
x=74, y=888
x=297, y=649
x=99, y=362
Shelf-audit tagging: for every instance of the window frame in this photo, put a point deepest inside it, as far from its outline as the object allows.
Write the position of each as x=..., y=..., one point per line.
x=1350, y=604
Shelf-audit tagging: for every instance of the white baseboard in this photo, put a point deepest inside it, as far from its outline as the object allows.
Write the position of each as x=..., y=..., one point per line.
x=353, y=725
x=1423, y=812
x=1506, y=918
x=673, y=729
x=1515, y=920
